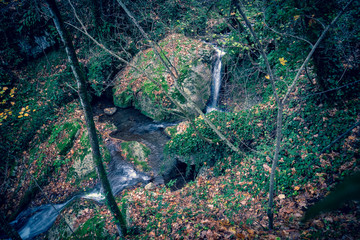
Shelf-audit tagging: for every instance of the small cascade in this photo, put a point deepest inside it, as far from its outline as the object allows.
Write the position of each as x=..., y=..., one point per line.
x=34, y=221
x=132, y=126
x=216, y=81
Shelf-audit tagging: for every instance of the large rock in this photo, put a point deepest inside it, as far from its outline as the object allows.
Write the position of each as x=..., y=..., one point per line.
x=136, y=153
x=192, y=59
x=83, y=167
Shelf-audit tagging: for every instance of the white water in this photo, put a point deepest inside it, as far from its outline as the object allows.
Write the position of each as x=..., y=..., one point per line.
x=216, y=81
x=34, y=221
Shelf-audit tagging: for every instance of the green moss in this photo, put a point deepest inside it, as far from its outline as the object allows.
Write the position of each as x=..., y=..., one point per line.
x=136, y=153
x=148, y=98
x=82, y=152
x=171, y=131
x=124, y=99
x=64, y=135
x=95, y=227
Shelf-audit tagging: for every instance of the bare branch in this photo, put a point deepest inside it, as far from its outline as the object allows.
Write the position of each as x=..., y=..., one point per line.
x=285, y=34
x=341, y=136
x=291, y=88
x=261, y=49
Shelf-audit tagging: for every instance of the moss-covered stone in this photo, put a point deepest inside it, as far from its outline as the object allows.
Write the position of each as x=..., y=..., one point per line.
x=83, y=166
x=124, y=99
x=192, y=61
x=64, y=136
x=171, y=131
x=136, y=153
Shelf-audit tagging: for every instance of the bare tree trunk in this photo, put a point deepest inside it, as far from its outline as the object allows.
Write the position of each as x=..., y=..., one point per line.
x=83, y=94
x=8, y=229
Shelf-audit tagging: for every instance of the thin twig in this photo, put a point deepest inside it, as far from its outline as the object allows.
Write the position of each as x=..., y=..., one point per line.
x=341, y=136
x=333, y=89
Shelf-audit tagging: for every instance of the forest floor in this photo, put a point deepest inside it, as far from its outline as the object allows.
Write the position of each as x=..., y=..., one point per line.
x=226, y=206
x=224, y=202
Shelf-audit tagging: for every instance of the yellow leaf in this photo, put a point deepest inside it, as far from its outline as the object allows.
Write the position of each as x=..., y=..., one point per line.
x=267, y=77
x=282, y=61
x=12, y=103
x=296, y=17
x=20, y=116
x=22, y=109
x=296, y=188
x=5, y=88
x=26, y=114
x=21, y=112
x=281, y=196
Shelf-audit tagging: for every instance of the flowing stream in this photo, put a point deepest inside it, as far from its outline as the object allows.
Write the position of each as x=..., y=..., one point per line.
x=131, y=126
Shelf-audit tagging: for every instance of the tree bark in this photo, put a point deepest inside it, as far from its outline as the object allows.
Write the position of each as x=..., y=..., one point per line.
x=84, y=99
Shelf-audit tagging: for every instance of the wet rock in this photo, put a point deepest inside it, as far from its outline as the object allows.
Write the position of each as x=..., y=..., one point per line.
x=110, y=111
x=84, y=166
x=137, y=153
x=149, y=186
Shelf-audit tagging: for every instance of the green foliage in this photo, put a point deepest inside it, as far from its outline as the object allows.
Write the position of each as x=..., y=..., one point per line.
x=124, y=99
x=242, y=128
x=101, y=70
x=333, y=60
x=95, y=227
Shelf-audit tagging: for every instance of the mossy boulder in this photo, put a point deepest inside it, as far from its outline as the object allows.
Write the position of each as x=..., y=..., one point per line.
x=192, y=60
x=136, y=153
x=64, y=136
x=83, y=166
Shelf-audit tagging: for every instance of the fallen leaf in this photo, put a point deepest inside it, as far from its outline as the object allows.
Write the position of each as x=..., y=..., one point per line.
x=281, y=196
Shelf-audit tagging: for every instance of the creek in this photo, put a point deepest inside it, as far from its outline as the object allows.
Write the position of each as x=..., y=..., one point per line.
x=131, y=126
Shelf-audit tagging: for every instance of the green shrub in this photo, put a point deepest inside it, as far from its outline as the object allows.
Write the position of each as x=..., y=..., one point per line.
x=241, y=128
x=101, y=68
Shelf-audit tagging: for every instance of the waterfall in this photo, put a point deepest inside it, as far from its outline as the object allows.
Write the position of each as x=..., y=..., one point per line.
x=216, y=81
